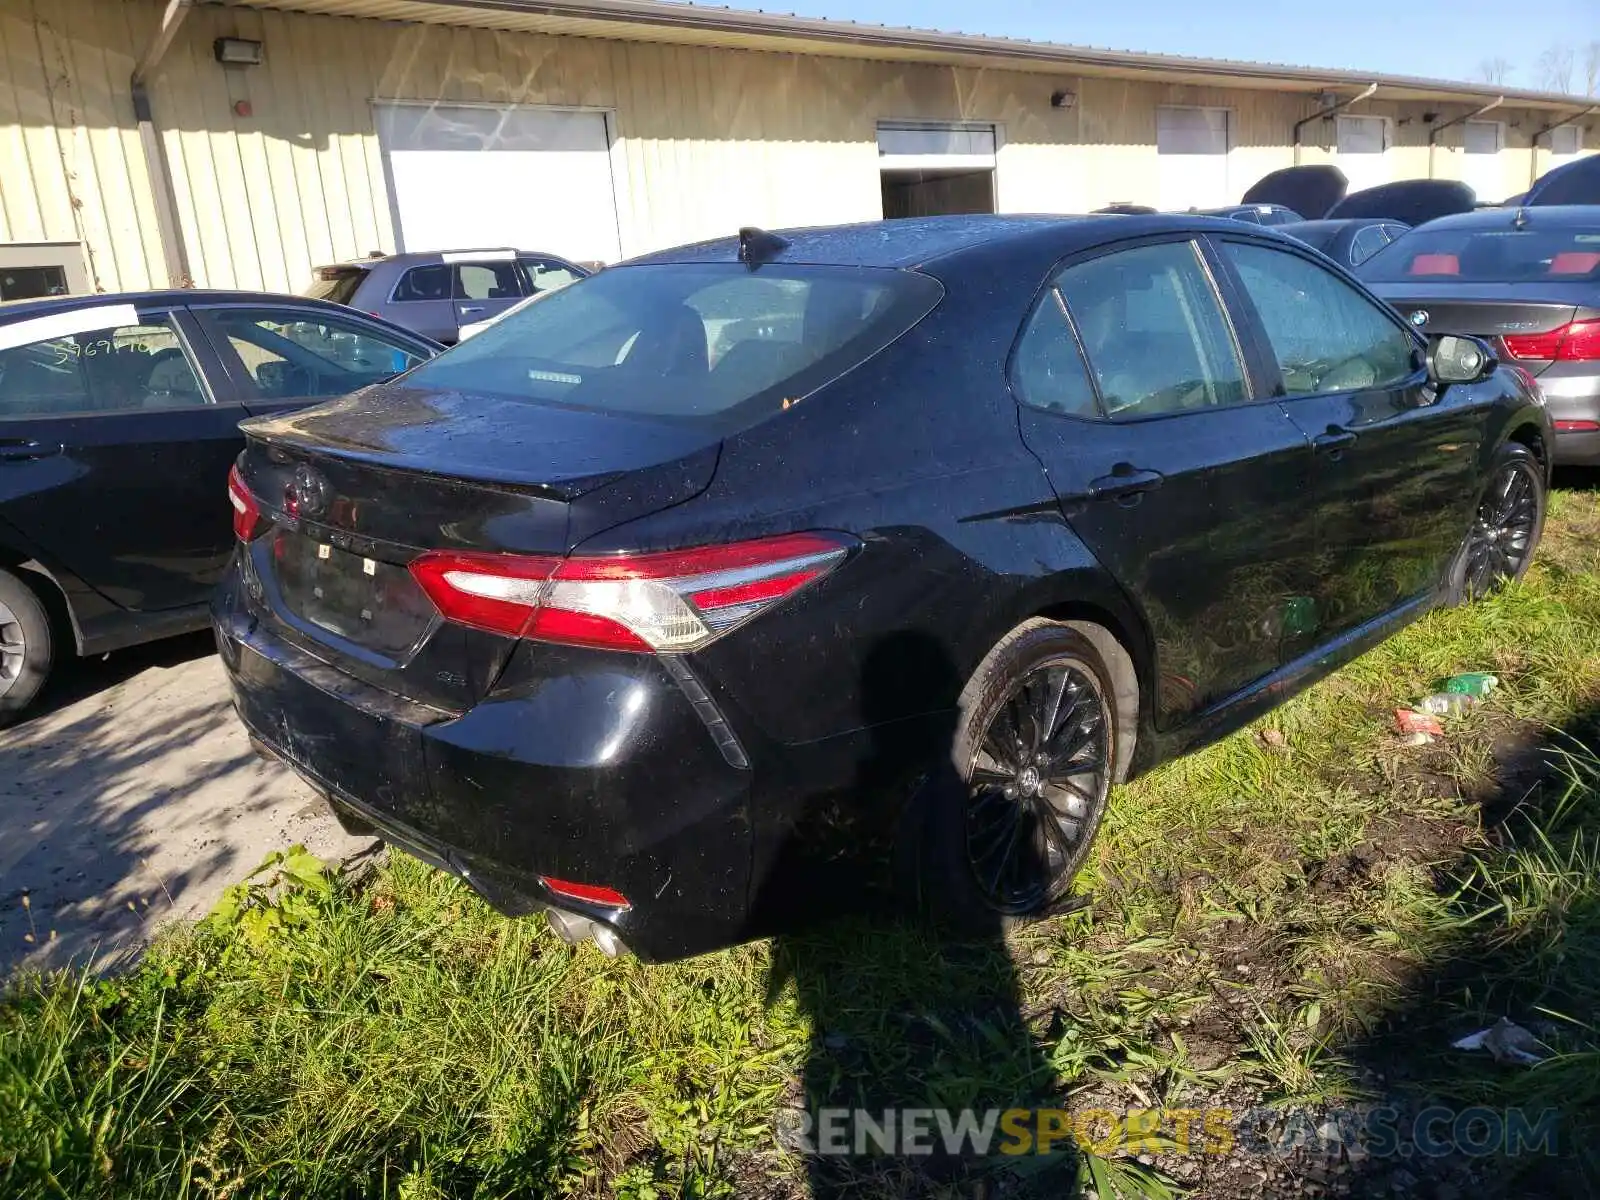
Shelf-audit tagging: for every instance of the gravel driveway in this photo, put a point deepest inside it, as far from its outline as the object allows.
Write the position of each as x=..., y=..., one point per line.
x=132, y=798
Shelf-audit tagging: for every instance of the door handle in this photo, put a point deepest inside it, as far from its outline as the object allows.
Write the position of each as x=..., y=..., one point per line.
x=471, y=308
x=23, y=449
x=1334, y=441
x=1125, y=480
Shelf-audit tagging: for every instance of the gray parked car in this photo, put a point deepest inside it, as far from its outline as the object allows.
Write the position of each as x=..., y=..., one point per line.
x=437, y=292
x=1527, y=281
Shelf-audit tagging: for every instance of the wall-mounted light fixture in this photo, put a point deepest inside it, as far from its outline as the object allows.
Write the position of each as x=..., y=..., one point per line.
x=237, y=52
x=1063, y=99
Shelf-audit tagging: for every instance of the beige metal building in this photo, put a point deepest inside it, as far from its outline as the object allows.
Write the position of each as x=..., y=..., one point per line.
x=241, y=144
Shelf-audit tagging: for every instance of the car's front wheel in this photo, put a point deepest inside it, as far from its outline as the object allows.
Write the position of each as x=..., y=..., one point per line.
x=1505, y=528
x=1033, y=758
x=26, y=648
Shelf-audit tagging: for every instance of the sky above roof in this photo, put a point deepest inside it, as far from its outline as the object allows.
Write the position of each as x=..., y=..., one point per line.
x=1437, y=39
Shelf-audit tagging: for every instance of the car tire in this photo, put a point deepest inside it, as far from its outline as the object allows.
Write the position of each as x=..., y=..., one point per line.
x=1008, y=775
x=27, y=649
x=1506, y=527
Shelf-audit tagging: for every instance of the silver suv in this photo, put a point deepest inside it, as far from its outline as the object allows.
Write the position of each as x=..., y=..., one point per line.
x=437, y=292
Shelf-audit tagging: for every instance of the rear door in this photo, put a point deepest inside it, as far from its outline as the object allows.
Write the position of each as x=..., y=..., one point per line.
x=485, y=286
x=1396, y=461
x=116, y=433
x=1185, y=486
x=423, y=302
x=281, y=357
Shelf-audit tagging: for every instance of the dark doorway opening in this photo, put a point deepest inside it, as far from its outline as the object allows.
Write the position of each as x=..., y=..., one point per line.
x=937, y=193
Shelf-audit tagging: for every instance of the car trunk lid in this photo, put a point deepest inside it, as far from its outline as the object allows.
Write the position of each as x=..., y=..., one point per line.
x=352, y=492
x=1491, y=311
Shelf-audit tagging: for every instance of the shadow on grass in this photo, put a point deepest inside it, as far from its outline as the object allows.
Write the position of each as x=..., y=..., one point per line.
x=914, y=1027
x=1522, y=944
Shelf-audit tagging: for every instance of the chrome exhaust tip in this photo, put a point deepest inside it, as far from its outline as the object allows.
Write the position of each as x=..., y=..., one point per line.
x=573, y=929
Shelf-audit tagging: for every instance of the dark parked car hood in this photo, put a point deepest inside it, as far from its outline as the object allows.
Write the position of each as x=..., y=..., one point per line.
x=1572, y=183
x=492, y=439
x=1409, y=201
x=1310, y=190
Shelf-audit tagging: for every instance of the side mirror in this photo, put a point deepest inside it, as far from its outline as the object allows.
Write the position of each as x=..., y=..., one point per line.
x=1456, y=359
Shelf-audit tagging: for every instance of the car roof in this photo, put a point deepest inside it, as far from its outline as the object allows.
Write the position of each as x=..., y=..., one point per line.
x=1336, y=223
x=1554, y=216
x=11, y=310
x=915, y=241
x=408, y=258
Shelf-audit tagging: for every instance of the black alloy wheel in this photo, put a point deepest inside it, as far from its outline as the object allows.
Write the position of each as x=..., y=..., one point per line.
x=1506, y=528
x=1037, y=782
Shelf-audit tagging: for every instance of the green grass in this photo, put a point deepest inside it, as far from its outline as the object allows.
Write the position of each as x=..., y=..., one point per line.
x=1302, y=924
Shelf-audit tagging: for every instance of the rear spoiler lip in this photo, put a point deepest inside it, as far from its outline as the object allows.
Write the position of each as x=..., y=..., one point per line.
x=565, y=490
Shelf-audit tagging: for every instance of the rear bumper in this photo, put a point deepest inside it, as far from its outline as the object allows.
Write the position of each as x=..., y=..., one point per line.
x=1573, y=397
x=601, y=772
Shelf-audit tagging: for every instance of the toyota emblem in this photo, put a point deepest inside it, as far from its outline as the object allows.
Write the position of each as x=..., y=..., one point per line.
x=308, y=493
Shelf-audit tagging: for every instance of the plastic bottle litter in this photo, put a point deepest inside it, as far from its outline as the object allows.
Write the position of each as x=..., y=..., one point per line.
x=1447, y=704
x=1472, y=683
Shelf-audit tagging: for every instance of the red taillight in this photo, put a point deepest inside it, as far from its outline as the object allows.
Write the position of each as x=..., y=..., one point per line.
x=589, y=893
x=1575, y=342
x=1577, y=426
x=247, y=522
x=674, y=601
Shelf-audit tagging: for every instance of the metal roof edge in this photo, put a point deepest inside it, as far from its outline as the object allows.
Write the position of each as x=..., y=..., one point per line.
x=785, y=27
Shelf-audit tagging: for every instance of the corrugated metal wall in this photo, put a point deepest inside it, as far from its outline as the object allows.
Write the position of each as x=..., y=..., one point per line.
x=708, y=139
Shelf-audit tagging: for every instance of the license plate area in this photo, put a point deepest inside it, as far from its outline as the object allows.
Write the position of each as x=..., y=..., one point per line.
x=366, y=601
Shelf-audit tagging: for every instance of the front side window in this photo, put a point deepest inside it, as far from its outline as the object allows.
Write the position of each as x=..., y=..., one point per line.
x=126, y=368
x=288, y=355
x=1154, y=331
x=1325, y=335
x=687, y=341
x=487, y=281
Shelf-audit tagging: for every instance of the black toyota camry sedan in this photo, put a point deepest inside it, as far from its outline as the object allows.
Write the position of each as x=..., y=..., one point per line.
x=677, y=603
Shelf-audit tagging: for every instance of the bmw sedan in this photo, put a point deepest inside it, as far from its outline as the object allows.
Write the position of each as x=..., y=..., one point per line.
x=680, y=603
x=119, y=419
x=1525, y=279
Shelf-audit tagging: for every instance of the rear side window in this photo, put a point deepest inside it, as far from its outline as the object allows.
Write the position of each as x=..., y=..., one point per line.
x=1500, y=255
x=546, y=275
x=127, y=368
x=1047, y=370
x=424, y=283
x=487, y=281
x=337, y=285
x=1154, y=331
x=705, y=342
x=1326, y=335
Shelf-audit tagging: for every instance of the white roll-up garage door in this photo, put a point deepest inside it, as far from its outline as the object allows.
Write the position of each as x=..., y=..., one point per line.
x=1363, y=144
x=463, y=176
x=1192, y=150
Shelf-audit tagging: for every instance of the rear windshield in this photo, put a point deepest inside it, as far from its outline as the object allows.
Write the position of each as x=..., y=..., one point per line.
x=336, y=284
x=1488, y=256
x=712, y=343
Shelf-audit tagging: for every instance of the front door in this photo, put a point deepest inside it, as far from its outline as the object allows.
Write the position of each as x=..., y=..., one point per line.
x=282, y=357
x=1395, y=476
x=1186, y=488
x=114, y=453
x=485, y=287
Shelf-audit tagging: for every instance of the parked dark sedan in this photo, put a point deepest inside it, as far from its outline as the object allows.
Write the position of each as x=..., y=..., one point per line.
x=1349, y=243
x=1526, y=279
x=676, y=603
x=119, y=418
